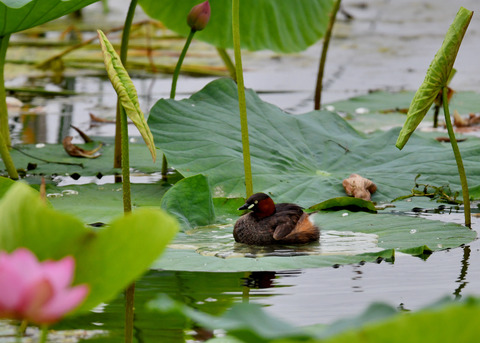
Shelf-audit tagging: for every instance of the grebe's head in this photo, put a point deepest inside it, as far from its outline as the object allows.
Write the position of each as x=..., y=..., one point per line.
x=261, y=204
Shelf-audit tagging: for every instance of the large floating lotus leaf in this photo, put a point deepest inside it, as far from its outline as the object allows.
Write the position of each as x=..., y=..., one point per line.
x=119, y=253
x=44, y=159
x=345, y=239
x=285, y=25
x=302, y=158
x=384, y=110
x=19, y=15
x=78, y=199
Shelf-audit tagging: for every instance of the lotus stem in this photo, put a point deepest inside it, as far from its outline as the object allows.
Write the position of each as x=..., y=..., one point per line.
x=179, y=64
x=242, y=104
x=117, y=159
x=228, y=63
x=458, y=159
x=129, y=312
x=43, y=334
x=7, y=160
x=122, y=158
x=323, y=57
x=4, y=131
x=173, y=89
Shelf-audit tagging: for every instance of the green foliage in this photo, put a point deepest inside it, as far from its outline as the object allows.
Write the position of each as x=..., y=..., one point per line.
x=190, y=201
x=19, y=15
x=447, y=322
x=119, y=253
x=284, y=26
x=348, y=203
x=346, y=237
x=127, y=94
x=302, y=158
x=53, y=160
x=78, y=199
x=437, y=77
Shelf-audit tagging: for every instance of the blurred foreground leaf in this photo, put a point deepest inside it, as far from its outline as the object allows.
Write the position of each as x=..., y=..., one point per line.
x=107, y=260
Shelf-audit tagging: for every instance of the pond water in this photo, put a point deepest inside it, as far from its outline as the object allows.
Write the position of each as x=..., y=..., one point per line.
x=387, y=46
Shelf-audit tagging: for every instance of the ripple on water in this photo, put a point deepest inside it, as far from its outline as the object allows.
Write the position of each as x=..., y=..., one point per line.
x=218, y=241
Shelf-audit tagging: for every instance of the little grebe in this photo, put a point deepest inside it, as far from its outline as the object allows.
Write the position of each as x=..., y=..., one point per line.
x=273, y=224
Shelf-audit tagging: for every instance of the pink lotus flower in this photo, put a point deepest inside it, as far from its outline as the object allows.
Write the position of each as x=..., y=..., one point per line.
x=36, y=291
x=199, y=16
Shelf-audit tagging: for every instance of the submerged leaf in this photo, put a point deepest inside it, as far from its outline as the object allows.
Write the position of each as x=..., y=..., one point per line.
x=126, y=91
x=437, y=76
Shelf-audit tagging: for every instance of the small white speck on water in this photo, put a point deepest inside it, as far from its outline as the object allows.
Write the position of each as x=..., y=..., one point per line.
x=361, y=110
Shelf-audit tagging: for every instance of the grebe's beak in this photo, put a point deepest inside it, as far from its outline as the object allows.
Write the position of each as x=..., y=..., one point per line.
x=246, y=207
x=243, y=207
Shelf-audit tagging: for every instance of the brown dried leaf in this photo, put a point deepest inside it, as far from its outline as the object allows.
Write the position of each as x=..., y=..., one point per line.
x=359, y=187
x=458, y=121
x=82, y=134
x=97, y=119
x=76, y=151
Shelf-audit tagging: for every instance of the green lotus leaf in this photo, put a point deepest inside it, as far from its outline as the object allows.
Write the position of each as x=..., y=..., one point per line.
x=437, y=76
x=51, y=159
x=346, y=237
x=378, y=323
x=19, y=15
x=302, y=158
x=190, y=201
x=127, y=94
x=119, y=253
x=284, y=26
x=348, y=203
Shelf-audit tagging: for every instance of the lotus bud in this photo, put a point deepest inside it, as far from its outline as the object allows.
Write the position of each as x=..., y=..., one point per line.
x=199, y=16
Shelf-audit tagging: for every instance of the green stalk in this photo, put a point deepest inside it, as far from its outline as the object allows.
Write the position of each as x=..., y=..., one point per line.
x=228, y=63
x=122, y=158
x=4, y=131
x=179, y=64
x=117, y=159
x=43, y=334
x=323, y=57
x=173, y=89
x=127, y=208
x=7, y=159
x=129, y=312
x=458, y=159
x=242, y=104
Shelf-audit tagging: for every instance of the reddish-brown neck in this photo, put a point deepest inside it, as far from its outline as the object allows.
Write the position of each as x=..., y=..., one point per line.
x=264, y=208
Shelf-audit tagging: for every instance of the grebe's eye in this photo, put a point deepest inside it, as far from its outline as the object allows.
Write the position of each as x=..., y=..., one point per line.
x=256, y=202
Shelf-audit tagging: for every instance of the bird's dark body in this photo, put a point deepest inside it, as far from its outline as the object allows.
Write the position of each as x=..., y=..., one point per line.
x=289, y=224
